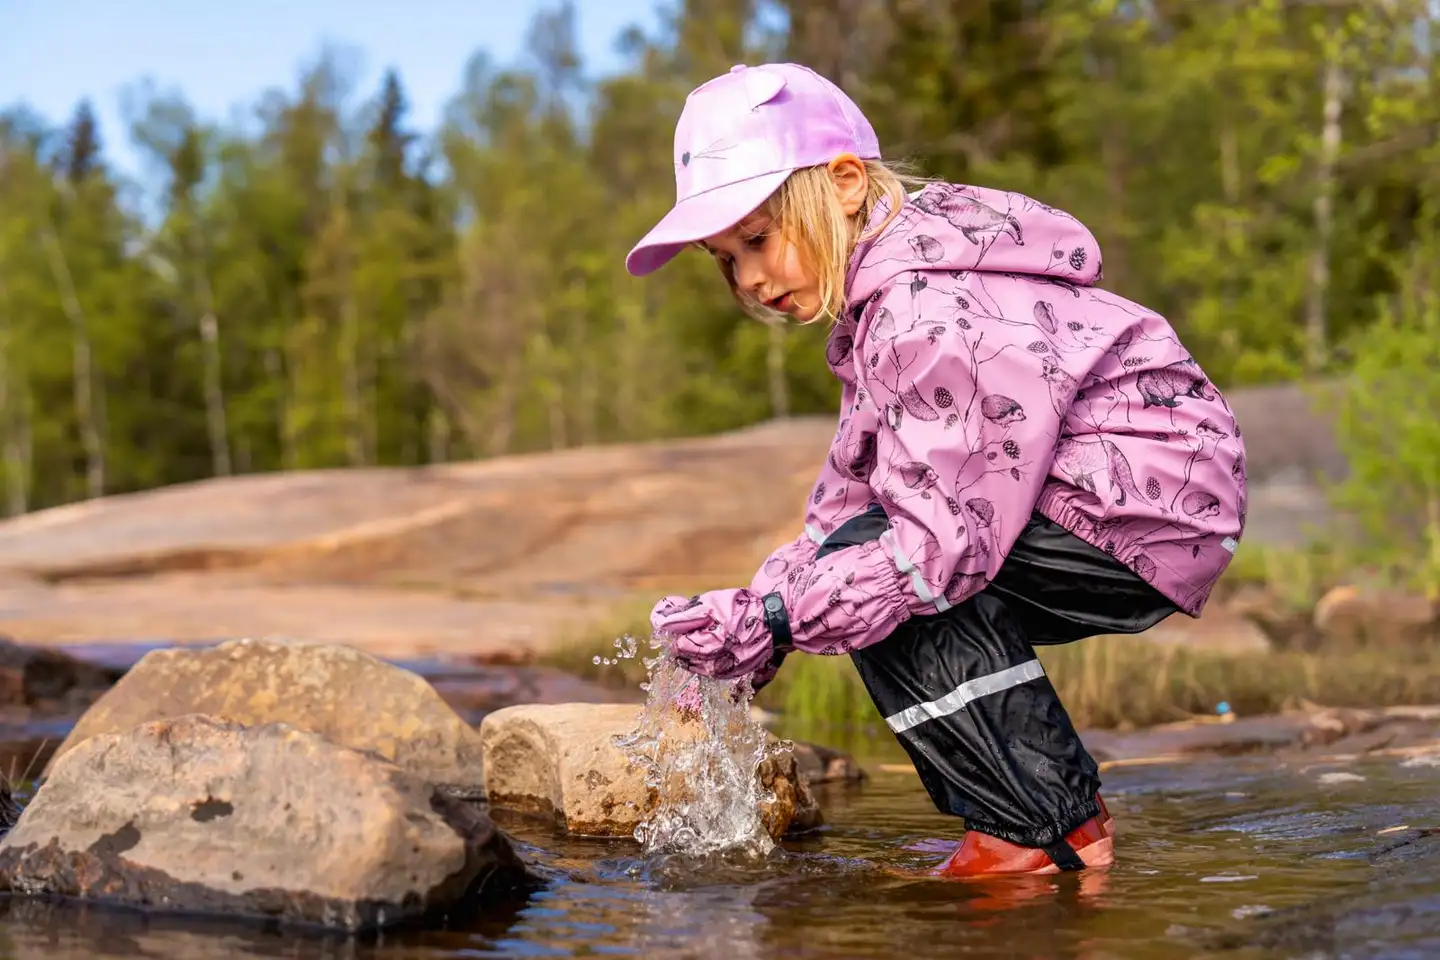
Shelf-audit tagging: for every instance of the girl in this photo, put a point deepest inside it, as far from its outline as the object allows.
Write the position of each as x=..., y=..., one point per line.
x=1021, y=459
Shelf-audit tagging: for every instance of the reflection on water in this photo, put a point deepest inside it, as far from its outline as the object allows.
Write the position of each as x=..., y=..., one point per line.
x=1225, y=859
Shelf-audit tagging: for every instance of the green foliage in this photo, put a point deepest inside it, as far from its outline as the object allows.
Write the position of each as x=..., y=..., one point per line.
x=333, y=286
x=1390, y=431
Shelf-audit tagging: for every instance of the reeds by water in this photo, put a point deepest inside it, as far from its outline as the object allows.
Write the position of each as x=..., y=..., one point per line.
x=1104, y=682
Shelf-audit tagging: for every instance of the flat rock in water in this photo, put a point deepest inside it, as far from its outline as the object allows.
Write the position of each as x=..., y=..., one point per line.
x=203, y=815
x=559, y=760
x=1329, y=731
x=1263, y=734
x=349, y=697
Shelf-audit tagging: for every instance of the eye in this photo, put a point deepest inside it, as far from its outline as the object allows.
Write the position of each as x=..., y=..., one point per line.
x=757, y=241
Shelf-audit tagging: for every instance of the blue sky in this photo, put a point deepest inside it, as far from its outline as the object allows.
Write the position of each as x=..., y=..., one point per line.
x=53, y=53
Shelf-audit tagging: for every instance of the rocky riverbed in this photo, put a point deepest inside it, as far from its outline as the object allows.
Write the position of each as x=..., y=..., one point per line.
x=319, y=786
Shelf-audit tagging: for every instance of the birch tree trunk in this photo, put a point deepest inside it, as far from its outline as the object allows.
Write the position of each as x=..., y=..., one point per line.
x=1316, y=335
x=216, y=422
x=83, y=364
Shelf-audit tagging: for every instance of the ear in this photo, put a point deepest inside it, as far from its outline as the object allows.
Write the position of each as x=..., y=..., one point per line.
x=851, y=181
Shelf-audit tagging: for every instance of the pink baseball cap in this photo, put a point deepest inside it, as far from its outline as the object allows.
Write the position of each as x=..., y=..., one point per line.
x=739, y=137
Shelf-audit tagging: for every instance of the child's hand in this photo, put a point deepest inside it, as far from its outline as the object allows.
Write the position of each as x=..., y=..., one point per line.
x=762, y=677
x=720, y=634
x=688, y=701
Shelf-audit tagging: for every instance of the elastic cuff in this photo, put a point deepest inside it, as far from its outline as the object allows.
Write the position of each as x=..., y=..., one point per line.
x=883, y=573
x=1043, y=835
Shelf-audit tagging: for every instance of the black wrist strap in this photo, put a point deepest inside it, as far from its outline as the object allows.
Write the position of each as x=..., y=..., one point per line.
x=777, y=620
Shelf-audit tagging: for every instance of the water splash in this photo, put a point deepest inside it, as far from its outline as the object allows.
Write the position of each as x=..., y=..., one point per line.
x=625, y=649
x=701, y=753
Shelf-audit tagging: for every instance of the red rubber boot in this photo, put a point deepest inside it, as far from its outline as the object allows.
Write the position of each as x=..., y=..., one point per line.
x=980, y=854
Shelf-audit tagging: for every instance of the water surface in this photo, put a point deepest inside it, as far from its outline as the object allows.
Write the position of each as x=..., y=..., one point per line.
x=1233, y=858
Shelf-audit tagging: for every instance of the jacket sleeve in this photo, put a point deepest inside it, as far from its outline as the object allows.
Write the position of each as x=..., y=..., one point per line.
x=834, y=498
x=965, y=435
x=783, y=559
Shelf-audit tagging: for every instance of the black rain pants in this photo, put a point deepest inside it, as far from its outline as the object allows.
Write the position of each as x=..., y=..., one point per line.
x=965, y=695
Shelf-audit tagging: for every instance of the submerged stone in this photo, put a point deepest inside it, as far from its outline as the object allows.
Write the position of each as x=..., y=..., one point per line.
x=346, y=696
x=819, y=764
x=204, y=815
x=560, y=761
x=51, y=680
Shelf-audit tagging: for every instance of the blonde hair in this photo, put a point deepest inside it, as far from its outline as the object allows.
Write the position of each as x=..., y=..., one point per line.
x=807, y=213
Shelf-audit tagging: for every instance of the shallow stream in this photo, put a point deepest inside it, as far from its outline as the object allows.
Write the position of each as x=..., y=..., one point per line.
x=1233, y=858
x=1238, y=857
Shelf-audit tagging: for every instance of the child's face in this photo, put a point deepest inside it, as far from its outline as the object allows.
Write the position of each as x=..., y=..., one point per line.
x=767, y=267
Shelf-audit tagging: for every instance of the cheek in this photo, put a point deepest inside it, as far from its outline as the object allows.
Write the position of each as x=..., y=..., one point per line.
x=789, y=266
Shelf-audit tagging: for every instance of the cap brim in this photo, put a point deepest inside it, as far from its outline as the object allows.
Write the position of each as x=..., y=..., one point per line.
x=698, y=217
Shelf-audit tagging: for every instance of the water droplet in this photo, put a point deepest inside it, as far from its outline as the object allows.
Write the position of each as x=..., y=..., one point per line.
x=595, y=659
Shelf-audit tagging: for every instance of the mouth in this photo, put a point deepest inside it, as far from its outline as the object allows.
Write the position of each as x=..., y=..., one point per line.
x=782, y=303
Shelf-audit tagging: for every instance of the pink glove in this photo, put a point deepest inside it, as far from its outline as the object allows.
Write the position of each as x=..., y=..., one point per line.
x=688, y=701
x=719, y=634
x=762, y=677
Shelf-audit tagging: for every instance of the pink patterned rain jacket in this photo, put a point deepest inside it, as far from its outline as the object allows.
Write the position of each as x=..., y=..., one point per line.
x=984, y=377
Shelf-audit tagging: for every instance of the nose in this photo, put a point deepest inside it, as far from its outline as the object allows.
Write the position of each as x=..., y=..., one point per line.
x=749, y=277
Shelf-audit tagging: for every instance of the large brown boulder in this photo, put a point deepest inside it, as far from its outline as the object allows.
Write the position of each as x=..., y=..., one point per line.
x=348, y=697
x=200, y=814
x=560, y=761
x=1218, y=630
x=1350, y=617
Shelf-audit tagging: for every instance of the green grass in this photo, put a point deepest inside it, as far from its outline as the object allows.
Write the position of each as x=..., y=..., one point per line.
x=1127, y=683
x=1104, y=682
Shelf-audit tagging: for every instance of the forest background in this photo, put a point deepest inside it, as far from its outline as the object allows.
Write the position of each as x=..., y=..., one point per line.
x=334, y=286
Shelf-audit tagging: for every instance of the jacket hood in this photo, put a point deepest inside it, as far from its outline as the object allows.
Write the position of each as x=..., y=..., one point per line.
x=960, y=228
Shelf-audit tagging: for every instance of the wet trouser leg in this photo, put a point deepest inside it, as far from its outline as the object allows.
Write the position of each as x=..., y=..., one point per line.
x=970, y=703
